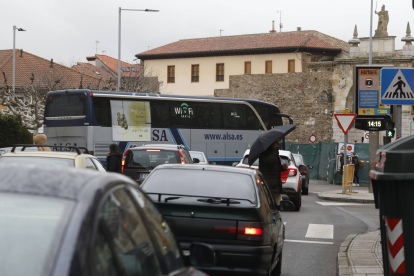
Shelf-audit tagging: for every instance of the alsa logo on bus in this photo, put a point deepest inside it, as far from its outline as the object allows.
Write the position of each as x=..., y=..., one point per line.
x=184, y=111
x=156, y=136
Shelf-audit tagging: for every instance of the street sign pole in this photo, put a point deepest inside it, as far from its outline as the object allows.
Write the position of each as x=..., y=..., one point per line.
x=399, y=119
x=345, y=152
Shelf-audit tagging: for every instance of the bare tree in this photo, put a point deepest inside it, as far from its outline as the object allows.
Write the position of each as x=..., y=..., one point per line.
x=28, y=104
x=143, y=81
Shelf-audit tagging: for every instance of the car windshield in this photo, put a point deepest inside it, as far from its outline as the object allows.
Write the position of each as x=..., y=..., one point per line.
x=197, y=155
x=150, y=158
x=246, y=161
x=31, y=228
x=62, y=162
x=201, y=183
x=298, y=159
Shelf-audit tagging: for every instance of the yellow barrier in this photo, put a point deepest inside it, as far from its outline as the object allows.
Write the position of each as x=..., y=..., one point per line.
x=348, y=178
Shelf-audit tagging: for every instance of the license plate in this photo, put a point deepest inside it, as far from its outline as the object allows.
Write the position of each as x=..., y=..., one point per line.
x=143, y=175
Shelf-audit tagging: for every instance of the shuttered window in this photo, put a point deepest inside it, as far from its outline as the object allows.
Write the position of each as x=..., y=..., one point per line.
x=220, y=72
x=171, y=74
x=247, y=67
x=291, y=66
x=268, y=68
x=195, y=72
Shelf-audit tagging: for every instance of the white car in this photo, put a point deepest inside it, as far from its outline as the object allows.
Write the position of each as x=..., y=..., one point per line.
x=291, y=179
x=200, y=156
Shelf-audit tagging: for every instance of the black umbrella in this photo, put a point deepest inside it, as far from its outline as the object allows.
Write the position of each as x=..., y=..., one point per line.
x=266, y=139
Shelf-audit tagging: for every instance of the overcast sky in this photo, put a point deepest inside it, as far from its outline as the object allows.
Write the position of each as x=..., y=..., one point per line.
x=67, y=30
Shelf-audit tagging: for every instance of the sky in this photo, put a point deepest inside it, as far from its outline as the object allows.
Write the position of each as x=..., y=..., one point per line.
x=67, y=31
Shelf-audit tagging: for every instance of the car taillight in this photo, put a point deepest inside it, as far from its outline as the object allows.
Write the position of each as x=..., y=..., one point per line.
x=153, y=150
x=224, y=229
x=252, y=231
x=293, y=172
x=181, y=157
x=303, y=172
x=123, y=160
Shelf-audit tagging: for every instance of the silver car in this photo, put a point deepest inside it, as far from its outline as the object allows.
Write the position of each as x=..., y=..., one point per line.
x=200, y=156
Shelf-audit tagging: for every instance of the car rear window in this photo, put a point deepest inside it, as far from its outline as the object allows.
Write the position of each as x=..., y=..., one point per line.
x=197, y=155
x=150, y=158
x=201, y=183
x=31, y=229
x=62, y=162
x=298, y=159
x=283, y=159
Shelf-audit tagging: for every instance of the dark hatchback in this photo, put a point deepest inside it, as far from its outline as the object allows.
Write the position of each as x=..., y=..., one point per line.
x=231, y=209
x=304, y=172
x=138, y=162
x=66, y=221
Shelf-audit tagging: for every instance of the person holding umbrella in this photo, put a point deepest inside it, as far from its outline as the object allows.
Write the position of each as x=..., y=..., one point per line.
x=266, y=149
x=271, y=168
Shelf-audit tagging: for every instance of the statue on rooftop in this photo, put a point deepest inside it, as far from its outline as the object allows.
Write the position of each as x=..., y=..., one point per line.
x=383, y=20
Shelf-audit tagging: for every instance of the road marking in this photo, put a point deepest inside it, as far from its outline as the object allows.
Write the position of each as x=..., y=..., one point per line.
x=318, y=242
x=336, y=203
x=320, y=231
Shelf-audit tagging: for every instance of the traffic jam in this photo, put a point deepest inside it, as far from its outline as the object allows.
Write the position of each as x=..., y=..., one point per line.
x=150, y=208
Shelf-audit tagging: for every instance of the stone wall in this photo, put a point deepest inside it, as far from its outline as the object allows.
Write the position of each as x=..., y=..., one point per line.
x=296, y=94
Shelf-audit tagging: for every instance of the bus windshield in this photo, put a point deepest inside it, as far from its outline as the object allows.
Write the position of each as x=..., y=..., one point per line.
x=65, y=104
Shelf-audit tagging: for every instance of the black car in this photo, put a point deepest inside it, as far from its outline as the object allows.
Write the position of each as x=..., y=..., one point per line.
x=231, y=209
x=138, y=162
x=66, y=221
x=304, y=172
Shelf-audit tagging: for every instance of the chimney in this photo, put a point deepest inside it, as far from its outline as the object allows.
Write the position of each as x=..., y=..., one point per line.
x=51, y=63
x=21, y=52
x=273, y=27
x=299, y=29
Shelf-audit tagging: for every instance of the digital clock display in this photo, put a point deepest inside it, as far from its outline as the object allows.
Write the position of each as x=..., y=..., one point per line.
x=374, y=123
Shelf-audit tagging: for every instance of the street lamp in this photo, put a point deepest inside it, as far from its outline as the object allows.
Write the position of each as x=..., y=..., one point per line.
x=14, y=53
x=119, y=41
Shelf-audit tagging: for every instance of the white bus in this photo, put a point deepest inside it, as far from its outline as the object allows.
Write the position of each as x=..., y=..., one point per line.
x=222, y=128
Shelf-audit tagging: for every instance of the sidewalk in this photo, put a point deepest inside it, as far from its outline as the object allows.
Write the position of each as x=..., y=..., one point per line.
x=361, y=196
x=360, y=255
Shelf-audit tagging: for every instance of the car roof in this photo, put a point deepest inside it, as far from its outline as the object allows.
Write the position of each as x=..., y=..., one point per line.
x=285, y=153
x=161, y=146
x=297, y=154
x=206, y=167
x=49, y=154
x=60, y=182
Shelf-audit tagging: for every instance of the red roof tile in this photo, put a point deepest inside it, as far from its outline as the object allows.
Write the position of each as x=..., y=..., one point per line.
x=285, y=40
x=89, y=69
x=112, y=64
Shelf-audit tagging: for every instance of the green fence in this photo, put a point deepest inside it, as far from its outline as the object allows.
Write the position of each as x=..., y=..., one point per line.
x=320, y=154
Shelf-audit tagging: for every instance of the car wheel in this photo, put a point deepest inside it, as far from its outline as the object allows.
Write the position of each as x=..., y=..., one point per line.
x=298, y=202
x=277, y=271
x=305, y=190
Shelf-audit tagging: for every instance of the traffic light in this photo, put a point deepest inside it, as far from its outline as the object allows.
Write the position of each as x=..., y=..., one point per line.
x=390, y=133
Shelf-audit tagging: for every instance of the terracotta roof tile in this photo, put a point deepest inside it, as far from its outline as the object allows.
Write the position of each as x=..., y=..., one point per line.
x=292, y=40
x=112, y=64
x=89, y=69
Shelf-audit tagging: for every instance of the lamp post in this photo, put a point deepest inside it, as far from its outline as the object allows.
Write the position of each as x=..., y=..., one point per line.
x=14, y=53
x=119, y=40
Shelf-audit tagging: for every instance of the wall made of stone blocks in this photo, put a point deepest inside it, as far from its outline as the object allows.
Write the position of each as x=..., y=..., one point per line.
x=296, y=94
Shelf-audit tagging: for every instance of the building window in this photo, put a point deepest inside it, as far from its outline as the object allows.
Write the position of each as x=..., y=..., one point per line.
x=195, y=72
x=247, y=67
x=124, y=69
x=220, y=72
x=268, y=68
x=171, y=74
x=291, y=66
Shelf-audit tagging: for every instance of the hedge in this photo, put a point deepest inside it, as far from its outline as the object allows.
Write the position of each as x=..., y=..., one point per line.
x=11, y=132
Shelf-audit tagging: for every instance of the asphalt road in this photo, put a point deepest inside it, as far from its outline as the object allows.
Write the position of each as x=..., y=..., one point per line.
x=315, y=233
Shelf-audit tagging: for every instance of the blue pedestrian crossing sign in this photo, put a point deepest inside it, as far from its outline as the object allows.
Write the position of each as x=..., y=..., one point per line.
x=397, y=86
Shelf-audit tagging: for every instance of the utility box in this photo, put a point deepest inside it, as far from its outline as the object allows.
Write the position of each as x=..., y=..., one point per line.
x=393, y=187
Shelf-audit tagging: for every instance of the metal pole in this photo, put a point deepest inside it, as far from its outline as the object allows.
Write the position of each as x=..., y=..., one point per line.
x=410, y=127
x=345, y=154
x=373, y=147
x=399, y=120
x=370, y=37
x=14, y=58
x=119, y=49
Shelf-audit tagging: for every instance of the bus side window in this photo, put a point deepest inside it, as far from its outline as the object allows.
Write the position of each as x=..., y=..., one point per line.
x=234, y=116
x=252, y=120
x=102, y=108
x=159, y=114
x=208, y=116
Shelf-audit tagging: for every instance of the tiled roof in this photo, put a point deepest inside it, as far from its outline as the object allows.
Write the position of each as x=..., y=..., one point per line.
x=27, y=63
x=288, y=41
x=112, y=64
x=89, y=69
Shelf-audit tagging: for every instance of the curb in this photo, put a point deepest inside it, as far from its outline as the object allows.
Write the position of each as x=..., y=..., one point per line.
x=344, y=267
x=354, y=200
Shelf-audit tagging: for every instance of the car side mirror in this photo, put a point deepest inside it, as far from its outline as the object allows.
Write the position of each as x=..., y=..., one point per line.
x=302, y=167
x=234, y=164
x=310, y=167
x=286, y=205
x=202, y=255
x=196, y=160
